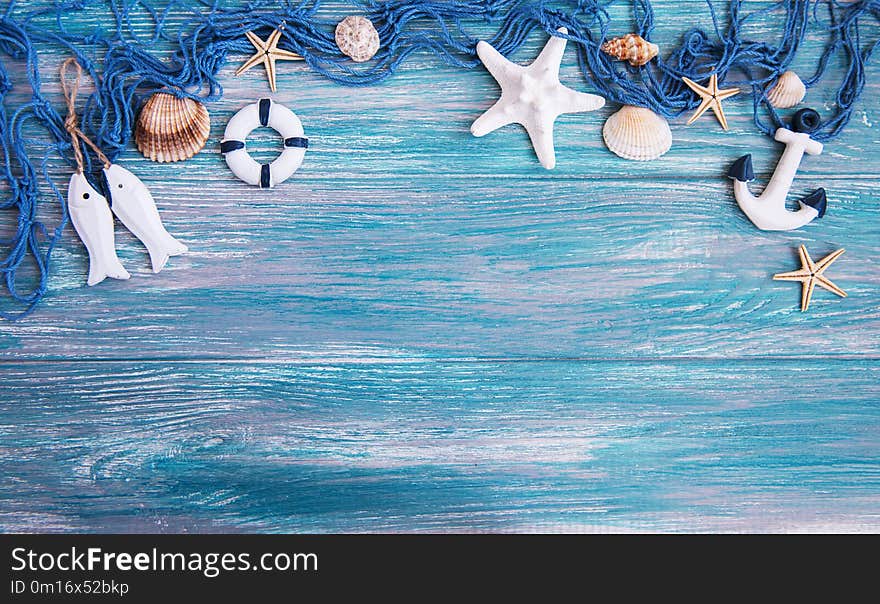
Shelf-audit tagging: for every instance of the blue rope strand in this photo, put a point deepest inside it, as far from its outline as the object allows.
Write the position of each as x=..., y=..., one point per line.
x=207, y=32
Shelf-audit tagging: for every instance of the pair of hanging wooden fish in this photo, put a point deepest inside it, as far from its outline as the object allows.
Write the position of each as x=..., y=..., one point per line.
x=132, y=203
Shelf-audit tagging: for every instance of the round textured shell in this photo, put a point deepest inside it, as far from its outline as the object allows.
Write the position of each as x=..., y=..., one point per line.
x=357, y=38
x=788, y=91
x=170, y=128
x=637, y=133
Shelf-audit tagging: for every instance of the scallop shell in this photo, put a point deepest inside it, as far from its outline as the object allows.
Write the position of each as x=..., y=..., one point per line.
x=357, y=38
x=170, y=128
x=632, y=48
x=637, y=133
x=788, y=91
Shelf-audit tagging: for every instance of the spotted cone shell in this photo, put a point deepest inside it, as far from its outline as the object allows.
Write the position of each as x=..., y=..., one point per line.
x=357, y=38
x=632, y=48
x=637, y=133
x=788, y=91
x=170, y=128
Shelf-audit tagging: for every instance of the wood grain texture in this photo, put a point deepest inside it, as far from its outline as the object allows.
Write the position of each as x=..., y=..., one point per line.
x=435, y=446
x=442, y=267
x=425, y=331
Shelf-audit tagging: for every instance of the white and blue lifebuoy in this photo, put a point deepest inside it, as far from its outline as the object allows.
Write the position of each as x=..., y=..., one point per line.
x=278, y=117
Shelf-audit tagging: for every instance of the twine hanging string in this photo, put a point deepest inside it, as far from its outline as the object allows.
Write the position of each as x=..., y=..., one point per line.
x=71, y=90
x=134, y=65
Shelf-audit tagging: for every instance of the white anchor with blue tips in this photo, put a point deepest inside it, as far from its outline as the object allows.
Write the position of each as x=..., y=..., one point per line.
x=264, y=112
x=768, y=211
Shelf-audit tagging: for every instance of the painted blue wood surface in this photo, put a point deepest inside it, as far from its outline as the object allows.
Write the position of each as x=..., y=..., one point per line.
x=424, y=331
x=433, y=446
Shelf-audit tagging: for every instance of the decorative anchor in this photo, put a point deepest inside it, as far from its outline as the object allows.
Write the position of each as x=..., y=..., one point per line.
x=768, y=211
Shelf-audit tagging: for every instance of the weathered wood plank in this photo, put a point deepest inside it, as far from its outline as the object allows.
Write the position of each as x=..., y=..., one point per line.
x=415, y=446
x=467, y=268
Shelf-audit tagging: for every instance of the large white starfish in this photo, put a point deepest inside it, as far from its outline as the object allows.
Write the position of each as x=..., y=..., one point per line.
x=532, y=96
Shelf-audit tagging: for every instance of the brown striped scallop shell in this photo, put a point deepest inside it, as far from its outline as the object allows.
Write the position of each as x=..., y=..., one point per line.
x=171, y=128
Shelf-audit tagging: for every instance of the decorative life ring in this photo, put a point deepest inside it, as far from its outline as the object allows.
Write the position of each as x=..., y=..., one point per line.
x=278, y=117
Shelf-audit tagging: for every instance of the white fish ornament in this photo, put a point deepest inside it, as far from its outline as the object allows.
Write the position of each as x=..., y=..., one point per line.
x=133, y=204
x=768, y=211
x=93, y=222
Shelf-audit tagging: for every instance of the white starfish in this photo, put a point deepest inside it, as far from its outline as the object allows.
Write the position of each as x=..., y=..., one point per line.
x=532, y=96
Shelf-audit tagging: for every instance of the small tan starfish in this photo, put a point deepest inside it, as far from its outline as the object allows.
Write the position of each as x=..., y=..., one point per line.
x=810, y=275
x=267, y=53
x=712, y=98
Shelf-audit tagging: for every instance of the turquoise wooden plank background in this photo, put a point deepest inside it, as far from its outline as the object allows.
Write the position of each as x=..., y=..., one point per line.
x=424, y=331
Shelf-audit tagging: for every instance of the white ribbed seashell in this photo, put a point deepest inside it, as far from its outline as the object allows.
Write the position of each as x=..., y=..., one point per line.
x=788, y=91
x=637, y=133
x=357, y=38
x=170, y=128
